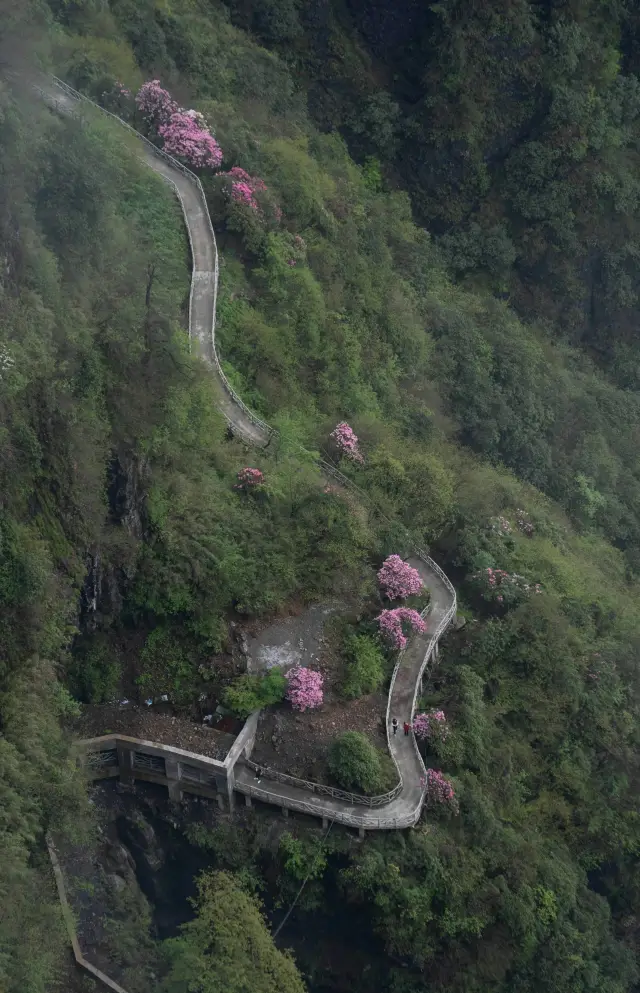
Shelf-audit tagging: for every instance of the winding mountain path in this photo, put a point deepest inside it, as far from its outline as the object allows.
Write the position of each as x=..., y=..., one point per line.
x=401, y=807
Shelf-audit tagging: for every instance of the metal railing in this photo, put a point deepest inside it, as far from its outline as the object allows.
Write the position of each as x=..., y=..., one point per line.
x=321, y=790
x=325, y=466
x=368, y=823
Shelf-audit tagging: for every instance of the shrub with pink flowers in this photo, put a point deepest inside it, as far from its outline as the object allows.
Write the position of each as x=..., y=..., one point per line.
x=155, y=103
x=119, y=100
x=185, y=137
x=394, y=625
x=524, y=523
x=439, y=789
x=248, y=205
x=431, y=726
x=346, y=442
x=244, y=188
x=249, y=479
x=305, y=688
x=503, y=588
x=185, y=133
x=399, y=580
x=500, y=525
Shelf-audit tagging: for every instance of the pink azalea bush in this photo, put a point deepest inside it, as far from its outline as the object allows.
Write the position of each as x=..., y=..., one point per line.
x=504, y=588
x=393, y=625
x=155, y=103
x=500, y=525
x=185, y=133
x=431, y=726
x=346, y=442
x=399, y=580
x=523, y=522
x=244, y=187
x=305, y=688
x=249, y=479
x=185, y=137
x=119, y=100
x=439, y=789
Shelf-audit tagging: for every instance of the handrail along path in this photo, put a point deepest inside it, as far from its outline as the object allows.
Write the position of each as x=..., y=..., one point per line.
x=400, y=807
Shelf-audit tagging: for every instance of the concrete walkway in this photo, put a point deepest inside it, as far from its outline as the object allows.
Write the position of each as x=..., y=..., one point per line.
x=404, y=810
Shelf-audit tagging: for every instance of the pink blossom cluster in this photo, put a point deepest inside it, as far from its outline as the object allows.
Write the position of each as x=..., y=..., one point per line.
x=398, y=580
x=432, y=726
x=347, y=442
x=122, y=89
x=511, y=585
x=305, y=688
x=500, y=525
x=185, y=133
x=439, y=788
x=245, y=187
x=249, y=478
x=156, y=103
x=393, y=624
x=524, y=524
x=184, y=136
x=291, y=262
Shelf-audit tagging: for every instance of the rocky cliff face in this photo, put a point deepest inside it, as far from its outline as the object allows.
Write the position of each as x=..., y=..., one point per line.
x=111, y=564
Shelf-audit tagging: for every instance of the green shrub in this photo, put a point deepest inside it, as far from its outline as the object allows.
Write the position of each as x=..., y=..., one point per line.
x=364, y=668
x=167, y=666
x=355, y=763
x=95, y=671
x=248, y=693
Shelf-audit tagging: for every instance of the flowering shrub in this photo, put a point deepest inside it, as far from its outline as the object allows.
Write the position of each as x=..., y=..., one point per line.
x=185, y=137
x=500, y=525
x=523, y=522
x=118, y=99
x=346, y=442
x=498, y=586
x=6, y=360
x=393, y=625
x=398, y=580
x=439, y=789
x=155, y=103
x=245, y=187
x=431, y=726
x=305, y=688
x=249, y=479
x=185, y=133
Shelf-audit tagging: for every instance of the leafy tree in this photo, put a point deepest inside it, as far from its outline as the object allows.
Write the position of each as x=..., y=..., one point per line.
x=227, y=948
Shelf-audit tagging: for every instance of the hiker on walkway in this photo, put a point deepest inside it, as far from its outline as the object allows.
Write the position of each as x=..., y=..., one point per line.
x=258, y=774
x=394, y=724
x=407, y=728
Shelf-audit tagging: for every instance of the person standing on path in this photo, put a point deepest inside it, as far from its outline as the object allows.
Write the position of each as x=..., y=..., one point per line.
x=394, y=724
x=258, y=774
x=407, y=728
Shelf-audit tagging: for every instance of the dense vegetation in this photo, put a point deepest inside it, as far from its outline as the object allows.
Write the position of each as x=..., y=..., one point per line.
x=454, y=271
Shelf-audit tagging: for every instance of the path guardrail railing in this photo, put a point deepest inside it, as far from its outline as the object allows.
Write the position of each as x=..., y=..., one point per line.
x=345, y=817
x=321, y=790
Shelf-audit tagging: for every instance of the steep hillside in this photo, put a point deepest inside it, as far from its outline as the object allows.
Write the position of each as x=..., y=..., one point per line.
x=403, y=194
